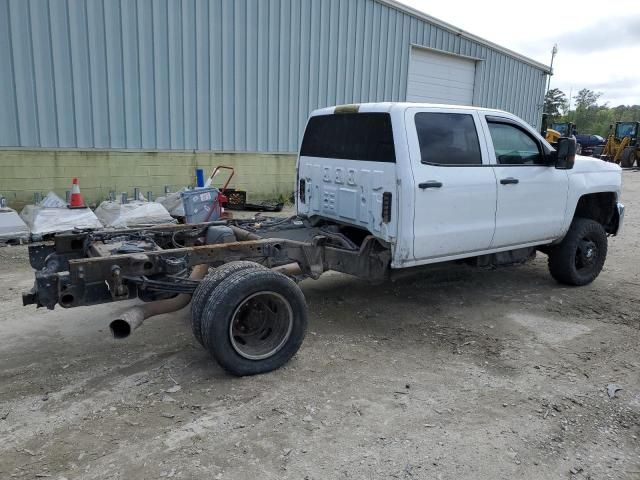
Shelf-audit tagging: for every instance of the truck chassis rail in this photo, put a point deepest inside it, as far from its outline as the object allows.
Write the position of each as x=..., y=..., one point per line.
x=70, y=272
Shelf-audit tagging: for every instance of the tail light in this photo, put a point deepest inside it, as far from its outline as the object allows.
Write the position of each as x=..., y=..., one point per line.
x=386, y=207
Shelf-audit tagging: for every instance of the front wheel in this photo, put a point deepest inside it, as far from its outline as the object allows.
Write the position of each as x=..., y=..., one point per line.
x=579, y=258
x=254, y=321
x=628, y=157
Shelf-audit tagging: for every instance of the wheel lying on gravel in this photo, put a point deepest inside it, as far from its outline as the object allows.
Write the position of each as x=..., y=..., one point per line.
x=579, y=258
x=208, y=285
x=254, y=321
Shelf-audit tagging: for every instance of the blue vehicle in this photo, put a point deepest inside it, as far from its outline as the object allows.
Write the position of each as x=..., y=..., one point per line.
x=588, y=142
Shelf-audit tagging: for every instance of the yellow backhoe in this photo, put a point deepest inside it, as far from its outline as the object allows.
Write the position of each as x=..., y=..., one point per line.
x=622, y=145
x=556, y=130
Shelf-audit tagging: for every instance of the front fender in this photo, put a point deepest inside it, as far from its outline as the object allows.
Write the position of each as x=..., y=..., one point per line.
x=593, y=177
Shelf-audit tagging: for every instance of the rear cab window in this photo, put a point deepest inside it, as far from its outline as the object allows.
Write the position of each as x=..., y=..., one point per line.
x=350, y=136
x=448, y=139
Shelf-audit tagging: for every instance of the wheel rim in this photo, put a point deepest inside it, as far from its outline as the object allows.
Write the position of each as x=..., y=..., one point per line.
x=261, y=325
x=587, y=255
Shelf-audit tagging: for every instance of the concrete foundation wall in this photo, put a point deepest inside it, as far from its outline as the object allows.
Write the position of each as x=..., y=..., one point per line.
x=24, y=172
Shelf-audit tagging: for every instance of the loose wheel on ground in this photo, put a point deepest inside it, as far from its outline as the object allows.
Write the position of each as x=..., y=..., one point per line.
x=206, y=287
x=579, y=258
x=254, y=321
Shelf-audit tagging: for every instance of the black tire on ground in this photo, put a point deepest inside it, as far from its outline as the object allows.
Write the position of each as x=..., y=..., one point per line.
x=579, y=258
x=628, y=157
x=254, y=321
x=207, y=285
x=597, y=151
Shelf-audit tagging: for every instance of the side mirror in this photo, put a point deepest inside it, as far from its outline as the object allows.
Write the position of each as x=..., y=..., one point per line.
x=565, y=154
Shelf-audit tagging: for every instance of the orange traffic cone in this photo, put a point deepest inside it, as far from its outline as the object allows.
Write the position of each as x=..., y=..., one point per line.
x=76, y=201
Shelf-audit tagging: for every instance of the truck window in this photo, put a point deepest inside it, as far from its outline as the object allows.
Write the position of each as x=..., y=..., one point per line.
x=514, y=146
x=350, y=136
x=448, y=139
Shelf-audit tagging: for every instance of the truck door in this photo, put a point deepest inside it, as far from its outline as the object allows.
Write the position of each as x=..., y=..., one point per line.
x=532, y=194
x=454, y=185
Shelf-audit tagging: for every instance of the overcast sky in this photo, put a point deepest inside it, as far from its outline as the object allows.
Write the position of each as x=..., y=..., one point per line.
x=598, y=41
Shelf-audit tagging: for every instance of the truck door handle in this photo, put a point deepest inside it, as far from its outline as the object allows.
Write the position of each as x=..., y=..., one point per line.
x=430, y=184
x=509, y=180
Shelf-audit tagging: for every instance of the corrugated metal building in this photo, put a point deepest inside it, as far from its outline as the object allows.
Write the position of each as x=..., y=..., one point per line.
x=86, y=82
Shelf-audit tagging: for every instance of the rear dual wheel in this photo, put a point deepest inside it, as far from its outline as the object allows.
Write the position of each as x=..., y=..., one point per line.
x=253, y=321
x=208, y=285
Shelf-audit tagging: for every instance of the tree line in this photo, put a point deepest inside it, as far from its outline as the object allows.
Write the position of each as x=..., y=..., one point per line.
x=588, y=116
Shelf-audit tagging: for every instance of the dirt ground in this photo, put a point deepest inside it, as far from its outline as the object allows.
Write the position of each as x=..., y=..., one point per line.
x=458, y=374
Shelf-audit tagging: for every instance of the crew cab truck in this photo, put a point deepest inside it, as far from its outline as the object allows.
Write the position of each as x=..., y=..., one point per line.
x=381, y=188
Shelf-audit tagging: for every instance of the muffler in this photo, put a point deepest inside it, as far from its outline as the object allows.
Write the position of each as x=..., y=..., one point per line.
x=132, y=318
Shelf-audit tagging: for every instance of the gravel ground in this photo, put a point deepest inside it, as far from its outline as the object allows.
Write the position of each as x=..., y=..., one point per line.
x=458, y=374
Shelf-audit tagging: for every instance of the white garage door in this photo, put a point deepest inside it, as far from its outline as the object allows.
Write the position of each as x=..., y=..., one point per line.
x=440, y=78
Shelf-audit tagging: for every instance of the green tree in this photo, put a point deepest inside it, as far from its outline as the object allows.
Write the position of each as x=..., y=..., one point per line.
x=555, y=103
x=592, y=118
x=588, y=114
x=586, y=99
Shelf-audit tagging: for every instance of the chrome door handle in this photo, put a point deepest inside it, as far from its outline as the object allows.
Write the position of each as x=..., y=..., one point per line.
x=509, y=181
x=430, y=184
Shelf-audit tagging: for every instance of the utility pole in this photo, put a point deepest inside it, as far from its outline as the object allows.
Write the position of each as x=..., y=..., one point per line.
x=570, y=98
x=554, y=50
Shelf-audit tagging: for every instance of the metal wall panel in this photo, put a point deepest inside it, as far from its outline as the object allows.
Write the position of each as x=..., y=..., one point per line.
x=220, y=75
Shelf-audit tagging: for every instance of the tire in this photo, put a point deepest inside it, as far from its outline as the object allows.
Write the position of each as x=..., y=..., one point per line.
x=579, y=258
x=628, y=157
x=597, y=151
x=240, y=335
x=208, y=285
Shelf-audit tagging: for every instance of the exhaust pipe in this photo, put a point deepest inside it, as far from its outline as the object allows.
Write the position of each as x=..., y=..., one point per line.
x=127, y=322
x=290, y=269
x=131, y=319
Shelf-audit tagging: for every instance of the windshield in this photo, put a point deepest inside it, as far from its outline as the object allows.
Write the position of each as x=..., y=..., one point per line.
x=626, y=129
x=561, y=128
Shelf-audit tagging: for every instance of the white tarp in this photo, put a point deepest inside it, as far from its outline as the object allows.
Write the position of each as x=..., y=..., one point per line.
x=133, y=214
x=12, y=227
x=43, y=220
x=52, y=201
x=173, y=203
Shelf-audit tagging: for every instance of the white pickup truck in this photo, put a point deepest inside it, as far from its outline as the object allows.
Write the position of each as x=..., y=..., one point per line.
x=381, y=188
x=459, y=182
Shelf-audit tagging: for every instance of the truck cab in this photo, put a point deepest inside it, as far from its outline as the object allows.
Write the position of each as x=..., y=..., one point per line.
x=442, y=182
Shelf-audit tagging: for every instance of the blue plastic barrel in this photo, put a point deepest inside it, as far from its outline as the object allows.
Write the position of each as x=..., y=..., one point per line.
x=199, y=177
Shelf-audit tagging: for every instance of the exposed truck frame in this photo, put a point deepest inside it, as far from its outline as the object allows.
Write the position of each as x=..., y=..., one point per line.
x=71, y=272
x=165, y=265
